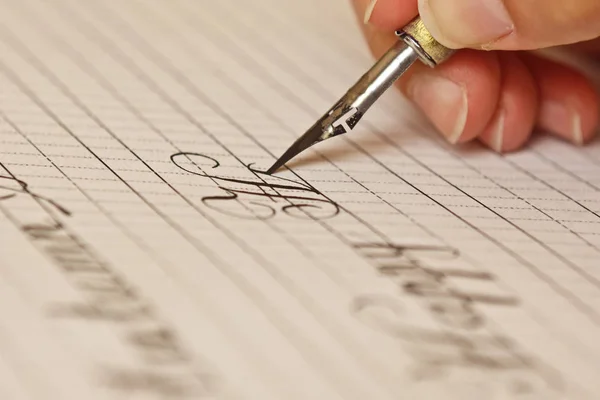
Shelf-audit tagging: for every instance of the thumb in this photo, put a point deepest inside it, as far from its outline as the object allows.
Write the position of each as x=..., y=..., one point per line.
x=511, y=24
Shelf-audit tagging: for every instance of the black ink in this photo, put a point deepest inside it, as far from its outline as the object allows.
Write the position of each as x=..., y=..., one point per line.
x=259, y=198
x=16, y=187
x=446, y=354
x=108, y=296
x=409, y=266
x=463, y=342
x=165, y=370
x=159, y=345
x=160, y=385
x=258, y=211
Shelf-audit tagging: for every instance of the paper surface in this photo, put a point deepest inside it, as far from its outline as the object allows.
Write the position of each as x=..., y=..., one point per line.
x=145, y=256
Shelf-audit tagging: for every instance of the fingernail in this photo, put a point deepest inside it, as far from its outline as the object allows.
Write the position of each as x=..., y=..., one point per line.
x=497, y=133
x=443, y=101
x=578, y=137
x=557, y=117
x=369, y=11
x=466, y=23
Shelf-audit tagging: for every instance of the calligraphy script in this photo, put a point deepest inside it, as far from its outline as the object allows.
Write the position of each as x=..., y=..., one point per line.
x=165, y=369
x=261, y=196
x=12, y=187
x=462, y=348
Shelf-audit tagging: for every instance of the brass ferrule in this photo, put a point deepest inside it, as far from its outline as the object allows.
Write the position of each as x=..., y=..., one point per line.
x=430, y=51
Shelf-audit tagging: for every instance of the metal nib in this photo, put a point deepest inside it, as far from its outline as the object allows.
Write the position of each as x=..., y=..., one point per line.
x=347, y=112
x=339, y=120
x=303, y=143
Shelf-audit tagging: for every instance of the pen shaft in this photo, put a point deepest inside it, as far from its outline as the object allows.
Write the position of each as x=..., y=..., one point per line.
x=381, y=76
x=416, y=44
x=348, y=111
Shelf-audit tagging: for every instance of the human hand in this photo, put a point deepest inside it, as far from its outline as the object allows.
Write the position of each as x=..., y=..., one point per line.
x=500, y=95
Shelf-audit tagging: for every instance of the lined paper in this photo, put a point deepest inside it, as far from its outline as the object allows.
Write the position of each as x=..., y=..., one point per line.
x=145, y=255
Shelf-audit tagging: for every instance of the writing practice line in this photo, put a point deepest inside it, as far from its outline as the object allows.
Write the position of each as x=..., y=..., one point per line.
x=145, y=253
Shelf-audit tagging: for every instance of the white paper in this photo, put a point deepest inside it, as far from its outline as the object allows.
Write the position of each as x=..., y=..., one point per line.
x=145, y=256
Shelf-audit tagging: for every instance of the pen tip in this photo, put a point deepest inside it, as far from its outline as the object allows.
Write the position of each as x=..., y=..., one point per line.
x=311, y=137
x=273, y=168
x=287, y=156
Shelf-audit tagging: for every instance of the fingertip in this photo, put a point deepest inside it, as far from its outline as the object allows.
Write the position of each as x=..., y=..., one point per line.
x=569, y=102
x=460, y=96
x=515, y=116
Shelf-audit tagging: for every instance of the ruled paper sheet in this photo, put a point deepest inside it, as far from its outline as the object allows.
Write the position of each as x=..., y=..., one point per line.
x=144, y=255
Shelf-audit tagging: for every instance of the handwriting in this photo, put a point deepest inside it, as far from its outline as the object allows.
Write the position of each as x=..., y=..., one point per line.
x=11, y=187
x=164, y=369
x=108, y=298
x=459, y=344
x=408, y=267
x=259, y=198
x=490, y=361
x=164, y=386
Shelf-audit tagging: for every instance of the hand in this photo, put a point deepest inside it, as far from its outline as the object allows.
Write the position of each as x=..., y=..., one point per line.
x=498, y=97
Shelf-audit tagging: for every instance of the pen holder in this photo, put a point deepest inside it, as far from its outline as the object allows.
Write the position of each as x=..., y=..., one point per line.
x=417, y=36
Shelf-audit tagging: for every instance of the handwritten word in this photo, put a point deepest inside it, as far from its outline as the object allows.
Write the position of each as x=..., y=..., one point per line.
x=261, y=196
x=109, y=298
x=165, y=370
x=459, y=345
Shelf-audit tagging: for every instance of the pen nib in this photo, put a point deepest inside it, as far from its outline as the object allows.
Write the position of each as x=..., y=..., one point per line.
x=341, y=119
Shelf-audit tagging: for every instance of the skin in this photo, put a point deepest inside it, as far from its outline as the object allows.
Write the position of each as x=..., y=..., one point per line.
x=496, y=89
